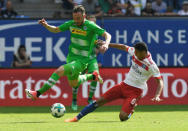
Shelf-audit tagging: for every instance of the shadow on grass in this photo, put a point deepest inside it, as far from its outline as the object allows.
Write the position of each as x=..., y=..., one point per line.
x=148, y=108
x=100, y=121
x=29, y=122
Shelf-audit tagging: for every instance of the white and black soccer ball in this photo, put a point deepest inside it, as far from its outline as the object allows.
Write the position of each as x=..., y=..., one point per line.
x=58, y=110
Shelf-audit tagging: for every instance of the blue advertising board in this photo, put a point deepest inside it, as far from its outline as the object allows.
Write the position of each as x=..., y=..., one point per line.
x=166, y=39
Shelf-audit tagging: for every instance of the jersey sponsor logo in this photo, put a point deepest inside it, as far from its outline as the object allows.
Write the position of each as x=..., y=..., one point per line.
x=78, y=32
x=135, y=68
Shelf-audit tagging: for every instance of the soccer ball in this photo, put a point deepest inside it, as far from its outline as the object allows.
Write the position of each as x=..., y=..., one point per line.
x=58, y=110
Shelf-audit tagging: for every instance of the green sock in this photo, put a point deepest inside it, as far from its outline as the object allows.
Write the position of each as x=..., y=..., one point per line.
x=49, y=83
x=83, y=78
x=74, y=93
x=92, y=89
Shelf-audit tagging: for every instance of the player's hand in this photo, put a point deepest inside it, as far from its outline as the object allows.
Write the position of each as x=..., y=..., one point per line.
x=42, y=22
x=103, y=49
x=102, y=45
x=156, y=99
x=100, y=42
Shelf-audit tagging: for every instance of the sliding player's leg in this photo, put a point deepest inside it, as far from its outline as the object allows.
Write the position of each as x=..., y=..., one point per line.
x=131, y=97
x=128, y=108
x=112, y=94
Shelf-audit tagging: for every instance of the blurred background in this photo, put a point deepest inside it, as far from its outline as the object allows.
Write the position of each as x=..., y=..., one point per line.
x=162, y=24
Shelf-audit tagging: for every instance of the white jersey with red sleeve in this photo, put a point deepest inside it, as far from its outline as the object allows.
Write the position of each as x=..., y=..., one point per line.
x=141, y=70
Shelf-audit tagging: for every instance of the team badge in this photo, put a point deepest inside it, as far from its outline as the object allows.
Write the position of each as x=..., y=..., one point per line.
x=85, y=27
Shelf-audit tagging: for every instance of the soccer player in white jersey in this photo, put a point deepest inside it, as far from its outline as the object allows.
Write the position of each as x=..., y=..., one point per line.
x=143, y=67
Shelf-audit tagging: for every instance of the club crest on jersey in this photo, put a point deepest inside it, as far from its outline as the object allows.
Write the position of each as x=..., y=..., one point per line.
x=140, y=63
x=85, y=27
x=144, y=66
x=78, y=32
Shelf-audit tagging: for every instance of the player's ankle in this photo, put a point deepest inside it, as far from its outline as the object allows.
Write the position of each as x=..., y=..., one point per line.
x=76, y=118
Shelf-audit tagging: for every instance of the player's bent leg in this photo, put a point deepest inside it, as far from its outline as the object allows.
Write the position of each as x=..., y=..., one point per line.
x=113, y=93
x=83, y=78
x=47, y=85
x=132, y=96
x=73, y=69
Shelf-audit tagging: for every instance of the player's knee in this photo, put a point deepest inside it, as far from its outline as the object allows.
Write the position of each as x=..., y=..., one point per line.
x=67, y=69
x=101, y=101
x=123, y=116
x=73, y=83
x=60, y=71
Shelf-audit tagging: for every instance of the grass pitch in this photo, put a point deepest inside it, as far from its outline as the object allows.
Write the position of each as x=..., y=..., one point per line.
x=145, y=118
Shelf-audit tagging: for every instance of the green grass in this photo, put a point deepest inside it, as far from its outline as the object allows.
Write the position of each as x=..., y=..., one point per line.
x=146, y=118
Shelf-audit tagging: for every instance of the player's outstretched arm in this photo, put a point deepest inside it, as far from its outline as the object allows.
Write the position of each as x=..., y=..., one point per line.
x=106, y=43
x=119, y=46
x=159, y=90
x=50, y=28
x=107, y=37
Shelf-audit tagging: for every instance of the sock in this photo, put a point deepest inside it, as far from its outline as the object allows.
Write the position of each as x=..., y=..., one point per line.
x=49, y=83
x=74, y=93
x=74, y=101
x=83, y=78
x=89, y=108
x=92, y=89
x=129, y=115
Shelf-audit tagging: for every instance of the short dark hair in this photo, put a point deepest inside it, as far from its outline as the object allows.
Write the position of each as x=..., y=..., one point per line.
x=20, y=47
x=141, y=46
x=79, y=8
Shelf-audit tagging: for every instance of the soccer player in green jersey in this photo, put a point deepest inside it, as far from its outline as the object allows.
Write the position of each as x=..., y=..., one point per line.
x=92, y=67
x=83, y=37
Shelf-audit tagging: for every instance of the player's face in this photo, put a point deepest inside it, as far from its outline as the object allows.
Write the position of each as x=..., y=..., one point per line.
x=22, y=52
x=140, y=54
x=78, y=18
